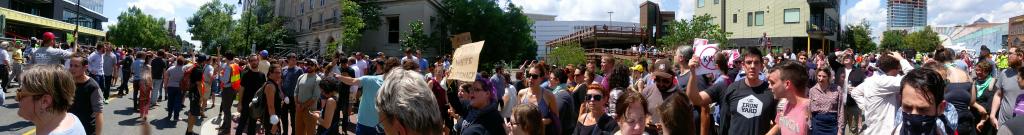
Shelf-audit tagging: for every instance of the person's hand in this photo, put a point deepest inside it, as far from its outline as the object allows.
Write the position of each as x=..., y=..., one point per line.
x=315, y=114
x=694, y=62
x=980, y=125
x=896, y=54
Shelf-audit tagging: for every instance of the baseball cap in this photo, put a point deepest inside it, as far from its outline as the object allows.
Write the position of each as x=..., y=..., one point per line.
x=264, y=53
x=48, y=36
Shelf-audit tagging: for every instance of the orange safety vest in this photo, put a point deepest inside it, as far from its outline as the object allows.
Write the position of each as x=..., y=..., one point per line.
x=236, y=76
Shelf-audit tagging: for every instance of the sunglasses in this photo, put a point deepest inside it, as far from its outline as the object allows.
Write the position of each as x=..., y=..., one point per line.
x=533, y=75
x=593, y=97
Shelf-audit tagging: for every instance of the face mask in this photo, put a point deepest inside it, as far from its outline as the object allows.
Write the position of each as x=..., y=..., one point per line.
x=916, y=124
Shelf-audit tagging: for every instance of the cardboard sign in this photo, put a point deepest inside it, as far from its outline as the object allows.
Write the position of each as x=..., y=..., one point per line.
x=461, y=39
x=465, y=62
x=706, y=54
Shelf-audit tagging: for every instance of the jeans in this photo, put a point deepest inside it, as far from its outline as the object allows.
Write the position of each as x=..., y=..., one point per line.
x=824, y=123
x=174, y=103
x=105, y=85
x=5, y=77
x=16, y=71
x=158, y=86
x=125, y=77
x=227, y=98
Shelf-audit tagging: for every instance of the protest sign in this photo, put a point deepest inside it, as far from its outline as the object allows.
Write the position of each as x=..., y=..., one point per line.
x=706, y=54
x=465, y=62
x=461, y=39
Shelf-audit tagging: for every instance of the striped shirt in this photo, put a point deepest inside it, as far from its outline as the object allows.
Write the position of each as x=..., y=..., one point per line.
x=824, y=99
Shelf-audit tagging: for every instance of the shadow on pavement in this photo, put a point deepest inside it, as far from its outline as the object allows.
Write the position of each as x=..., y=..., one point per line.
x=125, y=111
x=129, y=122
x=11, y=106
x=163, y=123
x=15, y=126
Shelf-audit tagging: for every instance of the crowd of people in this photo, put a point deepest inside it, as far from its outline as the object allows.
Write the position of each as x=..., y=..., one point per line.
x=63, y=91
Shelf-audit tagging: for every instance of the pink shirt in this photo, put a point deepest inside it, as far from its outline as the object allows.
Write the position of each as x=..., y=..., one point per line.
x=793, y=119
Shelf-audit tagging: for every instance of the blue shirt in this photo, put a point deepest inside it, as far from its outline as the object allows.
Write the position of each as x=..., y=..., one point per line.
x=423, y=64
x=291, y=75
x=367, y=103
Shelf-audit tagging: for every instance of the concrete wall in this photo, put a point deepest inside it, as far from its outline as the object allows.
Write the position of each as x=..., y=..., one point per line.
x=407, y=11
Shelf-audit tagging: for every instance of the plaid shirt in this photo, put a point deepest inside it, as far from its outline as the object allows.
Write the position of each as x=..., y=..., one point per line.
x=824, y=100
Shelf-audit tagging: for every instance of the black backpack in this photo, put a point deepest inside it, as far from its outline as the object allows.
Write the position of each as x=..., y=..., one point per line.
x=259, y=103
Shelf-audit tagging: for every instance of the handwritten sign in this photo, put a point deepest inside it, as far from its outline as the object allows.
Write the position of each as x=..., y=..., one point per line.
x=461, y=39
x=706, y=54
x=465, y=62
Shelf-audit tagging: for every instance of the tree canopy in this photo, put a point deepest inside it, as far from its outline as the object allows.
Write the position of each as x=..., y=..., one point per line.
x=507, y=31
x=683, y=32
x=858, y=37
x=922, y=41
x=258, y=26
x=892, y=39
x=138, y=29
x=211, y=23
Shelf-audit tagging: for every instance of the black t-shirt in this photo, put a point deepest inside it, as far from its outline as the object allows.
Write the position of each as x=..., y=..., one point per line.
x=343, y=91
x=86, y=103
x=251, y=82
x=745, y=110
x=159, y=66
x=196, y=77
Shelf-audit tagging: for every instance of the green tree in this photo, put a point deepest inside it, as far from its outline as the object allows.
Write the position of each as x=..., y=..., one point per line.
x=258, y=26
x=352, y=25
x=683, y=32
x=858, y=37
x=507, y=32
x=415, y=38
x=138, y=29
x=892, y=39
x=210, y=24
x=570, y=53
x=922, y=41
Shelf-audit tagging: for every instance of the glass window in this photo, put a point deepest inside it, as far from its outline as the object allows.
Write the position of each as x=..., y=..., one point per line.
x=321, y=2
x=792, y=15
x=759, y=18
x=750, y=19
x=393, y=31
x=700, y=3
x=716, y=1
x=733, y=18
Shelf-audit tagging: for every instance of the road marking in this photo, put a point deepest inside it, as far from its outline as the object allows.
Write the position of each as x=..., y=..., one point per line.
x=30, y=132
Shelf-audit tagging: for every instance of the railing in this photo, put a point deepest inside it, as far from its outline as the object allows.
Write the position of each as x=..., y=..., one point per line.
x=599, y=31
x=820, y=23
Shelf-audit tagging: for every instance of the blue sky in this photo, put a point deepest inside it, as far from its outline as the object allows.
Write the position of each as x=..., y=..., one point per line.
x=949, y=12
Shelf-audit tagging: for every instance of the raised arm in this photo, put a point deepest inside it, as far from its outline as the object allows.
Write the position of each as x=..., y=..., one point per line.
x=698, y=98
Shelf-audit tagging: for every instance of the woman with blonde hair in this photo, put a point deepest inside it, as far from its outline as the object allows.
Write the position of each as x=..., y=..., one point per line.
x=45, y=96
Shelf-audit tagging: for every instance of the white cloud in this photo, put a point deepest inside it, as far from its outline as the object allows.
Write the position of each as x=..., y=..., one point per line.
x=871, y=12
x=593, y=10
x=168, y=8
x=953, y=12
x=685, y=10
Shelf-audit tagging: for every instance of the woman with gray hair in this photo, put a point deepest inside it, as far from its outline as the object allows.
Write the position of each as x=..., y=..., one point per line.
x=406, y=105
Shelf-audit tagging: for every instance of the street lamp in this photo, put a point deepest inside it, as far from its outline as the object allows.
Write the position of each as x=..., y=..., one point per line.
x=610, y=17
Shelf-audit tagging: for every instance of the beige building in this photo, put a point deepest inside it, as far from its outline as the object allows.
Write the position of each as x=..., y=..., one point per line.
x=316, y=23
x=786, y=22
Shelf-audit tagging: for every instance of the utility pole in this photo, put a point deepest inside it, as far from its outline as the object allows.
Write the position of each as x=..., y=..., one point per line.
x=610, y=17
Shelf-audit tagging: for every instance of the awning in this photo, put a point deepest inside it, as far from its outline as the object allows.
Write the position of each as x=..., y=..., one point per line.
x=47, y=22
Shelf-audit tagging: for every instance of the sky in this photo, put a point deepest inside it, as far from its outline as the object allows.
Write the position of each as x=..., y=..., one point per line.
x=948, y=13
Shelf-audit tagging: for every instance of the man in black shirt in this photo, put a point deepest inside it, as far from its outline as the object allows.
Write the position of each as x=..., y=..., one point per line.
x=157, y=68
x=88, y=104
x=195, y=79
x=252, y=80
x=748, y=107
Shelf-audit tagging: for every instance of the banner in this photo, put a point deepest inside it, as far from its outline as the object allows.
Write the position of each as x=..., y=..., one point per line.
x=706, y=54
x=465, y=62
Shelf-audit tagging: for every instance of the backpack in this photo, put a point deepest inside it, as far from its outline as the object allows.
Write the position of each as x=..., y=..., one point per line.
x=259, y=103
x=186, y=80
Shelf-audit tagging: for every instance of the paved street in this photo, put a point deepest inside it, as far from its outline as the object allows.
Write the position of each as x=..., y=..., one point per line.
x=119, y=118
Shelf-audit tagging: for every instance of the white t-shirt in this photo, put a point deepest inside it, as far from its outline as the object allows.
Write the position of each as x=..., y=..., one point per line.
x=76, y=128
x=879, y=98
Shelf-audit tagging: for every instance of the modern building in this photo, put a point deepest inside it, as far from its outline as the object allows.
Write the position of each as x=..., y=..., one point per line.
x=796, y=24
x=1015, y=32
x=972, y=36
x=907, y=15
x=30, y=18
x=546, y=29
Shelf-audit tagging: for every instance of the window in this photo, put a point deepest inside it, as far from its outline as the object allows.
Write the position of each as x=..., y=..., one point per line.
x=750, y=19
x=321, y=2
x=700, y=3
x=791, y=15
x=716, y=1
x=759, y=18
x=310, y=4
x=733, y=18
x=309, y=24
x=393, y=31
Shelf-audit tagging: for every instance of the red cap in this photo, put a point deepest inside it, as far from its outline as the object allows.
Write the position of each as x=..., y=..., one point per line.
x=48, y=36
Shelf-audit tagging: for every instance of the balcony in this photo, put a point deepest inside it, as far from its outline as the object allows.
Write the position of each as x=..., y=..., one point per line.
x=821, y=24
x=822, y=3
